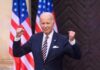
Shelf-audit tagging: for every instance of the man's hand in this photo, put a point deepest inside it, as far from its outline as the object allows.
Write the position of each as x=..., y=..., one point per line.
x=19, y=32
x=71, y=35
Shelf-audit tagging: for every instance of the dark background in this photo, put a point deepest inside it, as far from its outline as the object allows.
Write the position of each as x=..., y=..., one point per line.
x=82, y=16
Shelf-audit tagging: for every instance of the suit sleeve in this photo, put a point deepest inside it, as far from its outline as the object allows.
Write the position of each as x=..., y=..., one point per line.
x=19, y=50
x=72, y=50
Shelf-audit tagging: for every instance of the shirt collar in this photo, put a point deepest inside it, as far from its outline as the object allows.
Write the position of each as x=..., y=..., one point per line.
x=50, y=35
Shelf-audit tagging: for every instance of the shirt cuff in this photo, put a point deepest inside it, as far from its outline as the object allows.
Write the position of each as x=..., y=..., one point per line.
x=72, y=42
x=17, y=38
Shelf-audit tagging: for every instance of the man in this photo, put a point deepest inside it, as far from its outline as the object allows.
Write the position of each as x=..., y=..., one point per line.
x=47, y=47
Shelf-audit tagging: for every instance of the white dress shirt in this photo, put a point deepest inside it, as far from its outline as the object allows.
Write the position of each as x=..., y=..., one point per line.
x=48, y=41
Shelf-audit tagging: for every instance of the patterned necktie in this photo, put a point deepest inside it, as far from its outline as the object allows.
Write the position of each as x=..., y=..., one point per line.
x=44, y=48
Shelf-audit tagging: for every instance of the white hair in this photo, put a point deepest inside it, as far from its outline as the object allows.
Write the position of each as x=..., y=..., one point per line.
x=47, y=14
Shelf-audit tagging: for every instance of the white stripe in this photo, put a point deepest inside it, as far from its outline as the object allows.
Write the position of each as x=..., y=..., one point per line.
x=31, y=54
x=27, y=28
x=23, y=39
x=35, y=31
x=11, y=43
x=26, y=63
x=38, y=21
x=13, y=31
x=14, y=66
x=15, y=18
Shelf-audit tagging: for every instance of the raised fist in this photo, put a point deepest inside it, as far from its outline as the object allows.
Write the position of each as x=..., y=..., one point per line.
x=71, y=35
x=19, y=32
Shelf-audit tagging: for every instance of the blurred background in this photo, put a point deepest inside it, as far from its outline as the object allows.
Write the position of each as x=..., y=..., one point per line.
x=82, y=16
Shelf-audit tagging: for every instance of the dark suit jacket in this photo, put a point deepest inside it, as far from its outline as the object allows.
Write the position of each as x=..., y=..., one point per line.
x=55, y=55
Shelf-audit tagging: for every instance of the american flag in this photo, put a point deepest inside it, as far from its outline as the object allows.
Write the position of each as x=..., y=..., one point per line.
x=20, y=18
x=44, y=6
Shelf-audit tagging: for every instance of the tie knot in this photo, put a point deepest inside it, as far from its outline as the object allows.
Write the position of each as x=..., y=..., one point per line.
x=46, y=37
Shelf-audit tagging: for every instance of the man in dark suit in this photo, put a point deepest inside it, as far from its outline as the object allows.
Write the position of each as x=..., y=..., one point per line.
x=47, y=47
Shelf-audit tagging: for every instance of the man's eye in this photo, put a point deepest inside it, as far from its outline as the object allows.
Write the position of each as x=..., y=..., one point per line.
x=42, y=23
x=47, y=23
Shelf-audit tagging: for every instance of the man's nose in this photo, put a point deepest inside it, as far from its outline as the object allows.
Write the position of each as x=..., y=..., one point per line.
x=45, y=25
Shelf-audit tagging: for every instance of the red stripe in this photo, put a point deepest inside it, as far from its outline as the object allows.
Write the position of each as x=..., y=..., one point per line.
x=37, y=28
x=14, y=24
x=17, y=63
x=30, y=59
x=28, y=21
x=25, y=33
x=10, y=51
x=11, y=37
x=23, y=67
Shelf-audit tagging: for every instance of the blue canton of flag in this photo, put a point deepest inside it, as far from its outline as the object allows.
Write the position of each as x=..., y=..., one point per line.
x=20, y=9
x=45, y=6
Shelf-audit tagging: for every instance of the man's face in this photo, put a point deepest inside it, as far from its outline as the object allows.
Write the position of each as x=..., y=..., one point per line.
x=46, y=23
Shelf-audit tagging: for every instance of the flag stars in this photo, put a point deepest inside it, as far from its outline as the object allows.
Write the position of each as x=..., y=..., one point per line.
x=15, y=9
x=44, y=7
x=20, y=9
x=48, y=3
x=22, y=15
x=39, y=12
x=44, y=1
x=23, y=9
x=40, y=0
x=39, y=6
x=23, y=4
x=15, y=3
